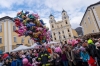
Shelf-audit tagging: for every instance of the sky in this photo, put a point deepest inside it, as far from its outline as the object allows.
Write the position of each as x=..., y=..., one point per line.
x=75, y=9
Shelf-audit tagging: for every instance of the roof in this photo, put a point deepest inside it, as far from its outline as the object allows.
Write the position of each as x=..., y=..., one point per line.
x=88, y=8
x=63, y=10
x=50, y=15
x=6, y=17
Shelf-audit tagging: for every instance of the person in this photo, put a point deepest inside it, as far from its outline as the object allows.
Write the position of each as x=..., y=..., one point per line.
x=98, y=52
x=1, y=62
x=20, y=58
x=57, y=60
x=85, y=57
x=64, y=57
x=14, y=62
x=70, y=54
x=44, y=57
x=78, y=58
x=6, y=62
x=26, y=62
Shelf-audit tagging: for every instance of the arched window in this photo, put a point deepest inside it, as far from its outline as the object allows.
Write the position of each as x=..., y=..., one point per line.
x=68, y=30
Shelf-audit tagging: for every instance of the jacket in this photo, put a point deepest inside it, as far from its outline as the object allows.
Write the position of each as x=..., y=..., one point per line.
x=85, y=56
x=43, y=57
x=70, y=56
x=14, y=63
x=20, y=63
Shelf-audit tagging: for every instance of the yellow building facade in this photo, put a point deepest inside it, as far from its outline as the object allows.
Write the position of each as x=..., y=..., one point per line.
x=61, y=30
x=8, y=38
x=91, y=19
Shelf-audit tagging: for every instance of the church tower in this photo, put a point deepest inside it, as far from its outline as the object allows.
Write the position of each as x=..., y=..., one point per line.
x=61, y=30
x=52, y=21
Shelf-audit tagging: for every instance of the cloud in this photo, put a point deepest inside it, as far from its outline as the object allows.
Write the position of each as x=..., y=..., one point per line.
x=74, y=8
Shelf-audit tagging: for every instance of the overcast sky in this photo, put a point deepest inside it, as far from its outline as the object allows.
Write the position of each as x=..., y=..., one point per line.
x=74, y=8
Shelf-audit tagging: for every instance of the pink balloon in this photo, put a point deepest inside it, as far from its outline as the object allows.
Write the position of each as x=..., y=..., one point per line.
x=25, y=61
x=36, y=16
x=58, y=49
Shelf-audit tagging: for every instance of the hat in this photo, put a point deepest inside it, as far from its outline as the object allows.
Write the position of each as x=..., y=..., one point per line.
x=90, y=41
x=97, y=43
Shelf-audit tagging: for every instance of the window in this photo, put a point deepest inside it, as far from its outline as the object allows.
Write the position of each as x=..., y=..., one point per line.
x=66, y=22
x=0, y=40
x=62, y=31
x=55, y=38
x=15, y=39
x=64, y=14
x=85, y=24
x=69, y=35
x=59, y=32
x=63, y=36
x=61, y=25
x=64, y=17
x=59, y=37
x=52, y=26
x=22, y=41
x=68, y=30
x=89, y=20
x=0, y=28
x=14, y=28
x=93, y=31
x=29, y=41
x=54, y=33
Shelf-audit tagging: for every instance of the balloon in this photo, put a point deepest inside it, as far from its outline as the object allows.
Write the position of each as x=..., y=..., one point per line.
x=41, y=21
x=29, y=25
x=25, y=61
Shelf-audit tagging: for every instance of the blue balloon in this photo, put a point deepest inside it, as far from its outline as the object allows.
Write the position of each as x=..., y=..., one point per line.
x=26, y=12
x=41, y=21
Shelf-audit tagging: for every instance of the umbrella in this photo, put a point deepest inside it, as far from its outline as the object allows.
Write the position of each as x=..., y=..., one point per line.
x=21, y=47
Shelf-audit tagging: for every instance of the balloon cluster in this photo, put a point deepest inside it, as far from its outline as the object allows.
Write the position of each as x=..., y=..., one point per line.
x=28, y=24
x=73, y=42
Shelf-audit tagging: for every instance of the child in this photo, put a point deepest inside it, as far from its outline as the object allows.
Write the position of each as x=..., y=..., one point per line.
x=85, y=57
x=26, y=62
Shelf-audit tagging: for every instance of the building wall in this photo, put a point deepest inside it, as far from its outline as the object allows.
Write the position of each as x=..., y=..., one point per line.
x=89, y=23
x=93, y=12
x=8, y=35
x=74, y=33
x=2, y=36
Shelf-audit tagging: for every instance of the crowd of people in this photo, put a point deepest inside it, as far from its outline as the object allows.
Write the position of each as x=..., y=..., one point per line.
x=84, y=53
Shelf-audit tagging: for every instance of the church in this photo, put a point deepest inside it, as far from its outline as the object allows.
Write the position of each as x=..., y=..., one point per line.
x=61, y=31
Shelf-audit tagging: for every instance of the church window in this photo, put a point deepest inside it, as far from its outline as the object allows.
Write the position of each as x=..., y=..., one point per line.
x=64, y=17
x=62, y=31
x=64, y=14
x=64, y=36
x=69, y=35
x=66, y=22
x=68, y=30
x=54, y=33
x=59, y=32
x=55, y=38
x=52, y=26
